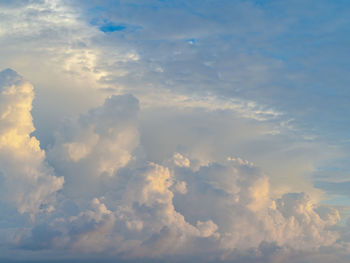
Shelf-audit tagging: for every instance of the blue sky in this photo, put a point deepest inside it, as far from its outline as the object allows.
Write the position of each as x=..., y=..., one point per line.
x=242, y=105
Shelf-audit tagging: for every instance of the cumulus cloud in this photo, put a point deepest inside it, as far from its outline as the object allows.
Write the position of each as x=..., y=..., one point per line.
x=27, y=181
x=197, y=82
x=225, y=214
x=236, y=197
x=148, y=175
x=117, y=202
x=94, y=147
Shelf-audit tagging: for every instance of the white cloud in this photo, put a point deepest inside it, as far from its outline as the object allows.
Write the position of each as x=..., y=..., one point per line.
x=157, y=187
x=244, y=108
x=97, y=145
x=237, y=199
x=226, y=211
x=180, y=160
x=116, y=202
x=27, y=181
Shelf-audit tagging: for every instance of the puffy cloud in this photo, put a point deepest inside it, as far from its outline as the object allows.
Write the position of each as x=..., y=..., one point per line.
x=236, y=197
x=97, y=145
x=181, y=160
x=118, y=203
x=162, y=189
x=78, y=62
x=227, y=212
x=27, y=181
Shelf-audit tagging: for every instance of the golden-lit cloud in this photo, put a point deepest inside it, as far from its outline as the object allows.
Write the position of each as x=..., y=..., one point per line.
x=28, y=182
x=171, y=131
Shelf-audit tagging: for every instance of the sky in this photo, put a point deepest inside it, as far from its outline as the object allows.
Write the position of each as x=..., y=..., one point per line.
x=174, y=131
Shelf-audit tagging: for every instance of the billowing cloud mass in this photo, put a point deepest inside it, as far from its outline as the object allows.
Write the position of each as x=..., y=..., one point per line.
x=94, y=147
x=117, y=203
x=174, y=131
x=27, y=181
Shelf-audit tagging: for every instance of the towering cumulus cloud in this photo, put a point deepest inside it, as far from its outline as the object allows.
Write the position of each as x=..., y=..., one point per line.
x=116, y=203
x=94, y=147
x=27, y=182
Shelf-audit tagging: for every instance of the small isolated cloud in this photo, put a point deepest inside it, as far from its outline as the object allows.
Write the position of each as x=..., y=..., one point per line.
x=180, y=160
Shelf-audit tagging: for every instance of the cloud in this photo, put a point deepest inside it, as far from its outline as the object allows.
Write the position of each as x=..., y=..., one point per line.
x=147, y=175
x=118, y=203
x=98, y=144
x=225, y=214
x=236, y=197
x=27, y=181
